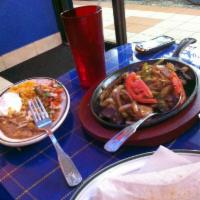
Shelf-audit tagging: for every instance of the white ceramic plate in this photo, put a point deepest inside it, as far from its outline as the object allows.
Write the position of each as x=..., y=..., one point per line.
x=62, y=115
x=124, y=166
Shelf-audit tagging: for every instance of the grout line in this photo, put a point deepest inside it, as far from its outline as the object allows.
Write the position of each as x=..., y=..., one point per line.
x=66, y=195
x=48, y=174
x=31, y=158
x=19, y=185
x=36, y=183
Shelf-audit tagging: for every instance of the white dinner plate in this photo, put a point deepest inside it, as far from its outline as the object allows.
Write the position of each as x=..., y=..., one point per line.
x=124, y=166
x=62, y=115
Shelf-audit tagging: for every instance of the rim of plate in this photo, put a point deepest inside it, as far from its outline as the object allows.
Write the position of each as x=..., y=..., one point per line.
x=76, y=195
x=40, y=137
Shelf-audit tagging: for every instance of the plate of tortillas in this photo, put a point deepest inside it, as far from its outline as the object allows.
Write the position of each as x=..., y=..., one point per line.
x=163, y=174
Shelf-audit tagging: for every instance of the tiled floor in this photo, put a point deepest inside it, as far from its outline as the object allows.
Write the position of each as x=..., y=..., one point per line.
x=144, y=22
x=137, y=24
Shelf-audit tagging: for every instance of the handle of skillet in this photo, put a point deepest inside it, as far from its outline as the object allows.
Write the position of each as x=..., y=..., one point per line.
x=182, y=45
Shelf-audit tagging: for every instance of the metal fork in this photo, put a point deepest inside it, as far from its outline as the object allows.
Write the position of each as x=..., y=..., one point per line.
x=43, y=121
x=122, y=136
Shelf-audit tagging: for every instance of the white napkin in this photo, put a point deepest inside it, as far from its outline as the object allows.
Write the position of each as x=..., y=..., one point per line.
x=4, y=84
x=165, y=176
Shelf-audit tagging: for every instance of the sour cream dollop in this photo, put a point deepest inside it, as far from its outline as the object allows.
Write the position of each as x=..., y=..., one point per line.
x=10, y=101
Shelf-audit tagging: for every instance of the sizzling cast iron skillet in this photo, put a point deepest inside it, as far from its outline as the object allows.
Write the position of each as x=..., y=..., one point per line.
x=190, y=87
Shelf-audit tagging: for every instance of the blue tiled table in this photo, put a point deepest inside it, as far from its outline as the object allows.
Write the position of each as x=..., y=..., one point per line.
x=33, y=172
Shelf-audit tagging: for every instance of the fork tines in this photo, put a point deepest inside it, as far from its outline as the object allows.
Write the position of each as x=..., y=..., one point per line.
x=39, y=113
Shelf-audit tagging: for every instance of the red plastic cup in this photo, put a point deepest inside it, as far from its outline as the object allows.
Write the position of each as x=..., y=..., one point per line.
x=84, y=30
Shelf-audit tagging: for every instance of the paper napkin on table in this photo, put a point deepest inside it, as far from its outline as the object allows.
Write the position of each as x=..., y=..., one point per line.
x=165, y=176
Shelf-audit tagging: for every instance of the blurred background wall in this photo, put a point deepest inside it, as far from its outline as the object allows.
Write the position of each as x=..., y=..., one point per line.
x=25, y=21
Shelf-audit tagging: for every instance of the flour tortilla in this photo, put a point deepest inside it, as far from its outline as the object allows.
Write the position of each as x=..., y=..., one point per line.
x=165, y=175
x=177, y=183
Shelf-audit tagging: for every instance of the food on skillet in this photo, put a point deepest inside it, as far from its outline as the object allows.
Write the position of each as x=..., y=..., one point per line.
x=134, y=95
x=15, y=118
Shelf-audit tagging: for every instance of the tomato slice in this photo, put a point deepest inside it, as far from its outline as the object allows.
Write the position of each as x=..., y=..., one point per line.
x=138, y=90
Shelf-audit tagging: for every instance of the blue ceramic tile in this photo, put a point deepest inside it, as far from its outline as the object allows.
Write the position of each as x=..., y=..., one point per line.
x=120, y=57
x=109, y=162
x=12, y=187
x=71, y=144
x=16, y=157
x=55, y=180
x=75, y=122
x=4, y=194
x=67, y=126
x=126, y=61
x=126, y=47
x=128, y=151
x=190, y=139
x=42, y=144
x=76, y=84
x=35, y=170
x=112, y=68
x=64, y=79
x=112, y=64
x=3, y=163
x=195, y=140
x=70, y=75
x=28, y=196
x=90, y=159
x=4, y=149
x=76, y=98
x=68, y=196
x=83, y=134
x=97, y=143
x=73, y=87
x=125, y=57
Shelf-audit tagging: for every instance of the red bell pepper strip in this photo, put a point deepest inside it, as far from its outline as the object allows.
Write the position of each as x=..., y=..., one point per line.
x=138, y=90
x=178, y=86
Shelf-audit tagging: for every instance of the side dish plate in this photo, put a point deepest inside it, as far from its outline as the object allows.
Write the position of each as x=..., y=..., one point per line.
x=124, y=166
x=65, y=104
